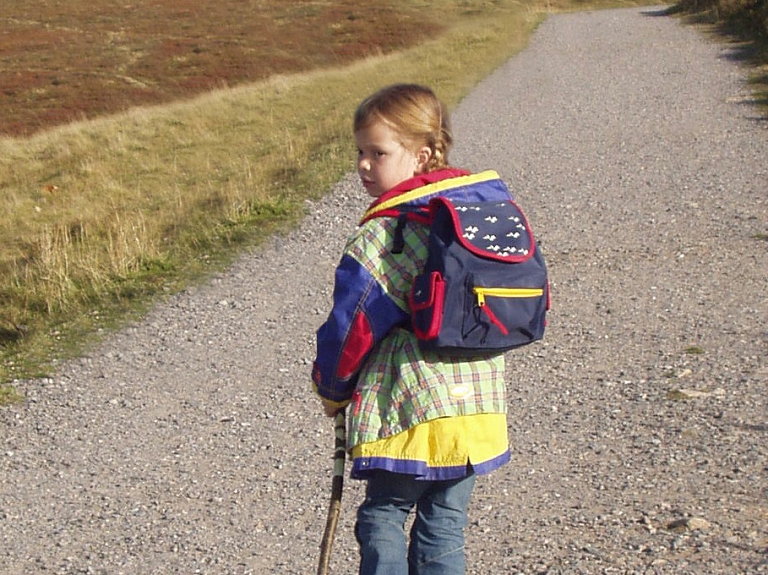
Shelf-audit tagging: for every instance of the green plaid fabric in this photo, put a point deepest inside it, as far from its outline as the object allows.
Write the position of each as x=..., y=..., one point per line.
x=400, y=385
x=371, y=246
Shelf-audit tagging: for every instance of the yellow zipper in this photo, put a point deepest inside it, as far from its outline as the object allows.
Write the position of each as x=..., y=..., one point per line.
x=482, y=292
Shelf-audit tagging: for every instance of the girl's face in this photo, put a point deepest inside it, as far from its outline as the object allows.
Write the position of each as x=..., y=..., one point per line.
x=383, y=161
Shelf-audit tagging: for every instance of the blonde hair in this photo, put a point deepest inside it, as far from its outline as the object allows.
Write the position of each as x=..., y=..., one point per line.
x=416, y=114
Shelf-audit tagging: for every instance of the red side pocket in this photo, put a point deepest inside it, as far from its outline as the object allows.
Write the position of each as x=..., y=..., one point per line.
x=427, y=297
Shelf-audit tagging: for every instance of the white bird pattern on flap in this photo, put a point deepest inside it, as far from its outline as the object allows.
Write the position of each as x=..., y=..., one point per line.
x=485, y=224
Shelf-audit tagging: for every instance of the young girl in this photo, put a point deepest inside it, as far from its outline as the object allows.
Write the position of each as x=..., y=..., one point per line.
x=421, y=424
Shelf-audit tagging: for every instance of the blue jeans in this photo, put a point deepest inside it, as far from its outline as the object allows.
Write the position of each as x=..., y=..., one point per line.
x=437, y=535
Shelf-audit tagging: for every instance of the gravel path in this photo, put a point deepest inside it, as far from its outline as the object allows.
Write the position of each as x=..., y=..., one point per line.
x=189, y=443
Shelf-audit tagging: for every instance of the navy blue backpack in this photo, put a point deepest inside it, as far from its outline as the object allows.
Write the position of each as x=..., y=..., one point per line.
x=484, y=287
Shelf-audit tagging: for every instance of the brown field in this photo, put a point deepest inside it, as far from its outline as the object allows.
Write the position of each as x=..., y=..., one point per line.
x=64, y=61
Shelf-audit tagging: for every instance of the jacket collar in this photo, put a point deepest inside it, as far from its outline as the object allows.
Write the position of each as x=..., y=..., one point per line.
x=389, y=197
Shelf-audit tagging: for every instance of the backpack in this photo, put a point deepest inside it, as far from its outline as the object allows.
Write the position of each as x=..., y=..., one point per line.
x=484, y=286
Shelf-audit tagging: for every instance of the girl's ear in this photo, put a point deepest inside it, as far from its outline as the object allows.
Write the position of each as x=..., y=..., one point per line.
x=423, y=155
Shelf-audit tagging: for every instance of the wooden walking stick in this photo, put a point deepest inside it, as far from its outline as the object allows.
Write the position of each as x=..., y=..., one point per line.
x=339, y=458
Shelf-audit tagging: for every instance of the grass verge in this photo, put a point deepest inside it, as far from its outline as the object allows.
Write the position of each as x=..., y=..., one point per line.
x=742, y=23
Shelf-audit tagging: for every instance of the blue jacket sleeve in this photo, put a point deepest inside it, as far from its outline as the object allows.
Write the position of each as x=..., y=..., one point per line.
x=361, y=316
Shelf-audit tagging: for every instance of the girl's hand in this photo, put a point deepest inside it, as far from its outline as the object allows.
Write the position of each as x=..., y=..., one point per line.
x=329, y=408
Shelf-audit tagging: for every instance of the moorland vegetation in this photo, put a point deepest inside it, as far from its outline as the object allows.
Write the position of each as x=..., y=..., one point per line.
x=130, y=170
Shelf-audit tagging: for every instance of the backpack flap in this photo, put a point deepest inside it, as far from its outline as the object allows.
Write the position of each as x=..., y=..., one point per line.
x=484, y=286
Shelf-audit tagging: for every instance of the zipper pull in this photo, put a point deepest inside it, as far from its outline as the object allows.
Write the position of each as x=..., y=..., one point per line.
x=480, y=296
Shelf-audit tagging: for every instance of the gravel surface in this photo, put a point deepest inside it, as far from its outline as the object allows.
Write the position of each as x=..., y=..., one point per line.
x=190, y=443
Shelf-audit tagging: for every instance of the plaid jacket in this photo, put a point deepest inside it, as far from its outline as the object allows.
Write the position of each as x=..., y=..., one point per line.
x=366, y=354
